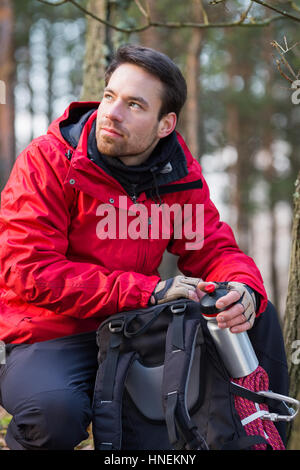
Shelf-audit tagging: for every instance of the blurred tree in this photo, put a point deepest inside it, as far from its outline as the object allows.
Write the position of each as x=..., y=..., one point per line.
x=292, y=316
x=240, y=129
x=193, y=74
x=49, y=50
x=270, y=172
x=96, y=57
x=7, y=77
x=106, y=39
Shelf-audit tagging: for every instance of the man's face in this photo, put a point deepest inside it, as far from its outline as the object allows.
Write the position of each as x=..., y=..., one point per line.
x=127, y=123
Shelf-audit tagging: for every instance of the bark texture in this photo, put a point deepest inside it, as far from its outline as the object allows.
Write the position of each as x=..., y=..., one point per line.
x=292, y=318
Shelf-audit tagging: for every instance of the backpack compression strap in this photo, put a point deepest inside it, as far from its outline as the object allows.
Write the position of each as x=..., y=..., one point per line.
x=108, y=392
x=180, y=345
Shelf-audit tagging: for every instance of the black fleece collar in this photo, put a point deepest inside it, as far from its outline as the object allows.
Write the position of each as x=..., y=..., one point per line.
x=166, y=164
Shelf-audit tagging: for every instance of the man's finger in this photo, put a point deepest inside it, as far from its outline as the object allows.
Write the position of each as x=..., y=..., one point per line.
x=228, y=299
x=240, y=328
x=227, y=316
x=232, y=317
x=192, y=281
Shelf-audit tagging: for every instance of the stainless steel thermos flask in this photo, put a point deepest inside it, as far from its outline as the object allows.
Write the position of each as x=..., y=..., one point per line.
x=235, y=349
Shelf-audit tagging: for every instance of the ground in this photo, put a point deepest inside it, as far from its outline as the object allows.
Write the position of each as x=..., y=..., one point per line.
x=4, y=421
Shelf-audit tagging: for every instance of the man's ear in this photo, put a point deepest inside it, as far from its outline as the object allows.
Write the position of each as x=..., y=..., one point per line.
x=167, y=125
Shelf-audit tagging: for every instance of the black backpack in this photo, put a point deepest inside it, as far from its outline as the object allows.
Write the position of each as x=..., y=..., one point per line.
x=161, y=384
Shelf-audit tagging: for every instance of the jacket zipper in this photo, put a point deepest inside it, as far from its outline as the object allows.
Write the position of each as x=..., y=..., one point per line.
x=143, y=245
x=133, y=196
x=69, y=154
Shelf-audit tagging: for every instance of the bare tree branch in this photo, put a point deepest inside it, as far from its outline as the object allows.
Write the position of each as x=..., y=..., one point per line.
x=282, y=73
x=178, y=24
x=241, y=22
x=244, y=15
x=281, y=51
x=145, y=13
x=281, y=12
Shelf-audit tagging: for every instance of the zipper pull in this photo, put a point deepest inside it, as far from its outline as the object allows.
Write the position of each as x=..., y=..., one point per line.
x=133, y=197
x=69, y=154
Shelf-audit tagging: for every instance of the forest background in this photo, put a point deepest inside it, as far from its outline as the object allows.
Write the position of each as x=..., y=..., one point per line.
x=241, y=60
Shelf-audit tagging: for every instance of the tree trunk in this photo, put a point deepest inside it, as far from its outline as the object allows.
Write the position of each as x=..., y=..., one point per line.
x=101, y=40
x=29, y=108
x=50, y=71
x=7, y=76
x=270, y=175
x=152, y=37
x=241, y=192
x=270, y=172
x=96, y=53
x=238, y=134
x=292, y=318
x=192, y=111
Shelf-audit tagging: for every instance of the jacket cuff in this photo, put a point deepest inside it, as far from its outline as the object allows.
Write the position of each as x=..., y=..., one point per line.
x=147, y=291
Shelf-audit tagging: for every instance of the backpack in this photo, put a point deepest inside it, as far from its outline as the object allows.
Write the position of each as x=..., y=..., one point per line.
x=161, y=385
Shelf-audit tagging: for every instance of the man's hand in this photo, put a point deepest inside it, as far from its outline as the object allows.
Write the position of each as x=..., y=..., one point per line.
x=175, y=288
x=240, y=317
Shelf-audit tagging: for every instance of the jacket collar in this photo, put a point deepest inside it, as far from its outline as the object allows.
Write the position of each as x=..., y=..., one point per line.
x=166, y=164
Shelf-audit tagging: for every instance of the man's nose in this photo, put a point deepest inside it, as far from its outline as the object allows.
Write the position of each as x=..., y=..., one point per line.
x=115, y=111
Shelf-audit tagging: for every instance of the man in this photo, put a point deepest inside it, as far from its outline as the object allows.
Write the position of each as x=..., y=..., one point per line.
x=68, y=260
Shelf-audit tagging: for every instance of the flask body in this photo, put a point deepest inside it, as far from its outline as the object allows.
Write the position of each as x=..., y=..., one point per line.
x=235, y=350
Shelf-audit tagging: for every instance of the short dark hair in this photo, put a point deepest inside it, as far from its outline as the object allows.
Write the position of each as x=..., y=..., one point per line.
x=159, y=65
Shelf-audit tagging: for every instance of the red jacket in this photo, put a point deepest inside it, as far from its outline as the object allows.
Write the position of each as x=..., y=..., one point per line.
x=57, y=276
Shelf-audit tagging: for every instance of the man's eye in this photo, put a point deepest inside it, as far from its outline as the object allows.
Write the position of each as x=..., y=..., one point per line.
x=134, y=105
x=107, y=97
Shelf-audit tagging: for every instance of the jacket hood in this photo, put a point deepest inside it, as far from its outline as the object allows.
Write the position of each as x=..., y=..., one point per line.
x=69, y=126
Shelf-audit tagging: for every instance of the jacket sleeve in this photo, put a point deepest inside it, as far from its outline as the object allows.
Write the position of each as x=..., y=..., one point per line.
x=34, y=221
x=216, y=256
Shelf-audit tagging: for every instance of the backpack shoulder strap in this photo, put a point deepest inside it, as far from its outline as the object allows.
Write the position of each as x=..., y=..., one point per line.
x=108, y=392
x=181, y=340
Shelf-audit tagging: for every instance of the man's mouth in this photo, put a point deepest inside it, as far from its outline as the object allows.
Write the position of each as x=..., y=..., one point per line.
x=111, y=132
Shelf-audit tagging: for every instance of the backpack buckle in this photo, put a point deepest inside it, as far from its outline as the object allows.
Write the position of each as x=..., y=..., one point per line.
x=178, y=308
x=116, y=326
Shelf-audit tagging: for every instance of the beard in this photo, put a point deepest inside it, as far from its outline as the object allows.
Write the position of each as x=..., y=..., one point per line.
x=108, y=146
x=126, y=146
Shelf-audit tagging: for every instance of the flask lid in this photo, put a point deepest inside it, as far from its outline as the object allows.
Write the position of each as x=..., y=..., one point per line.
x=208, y=302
